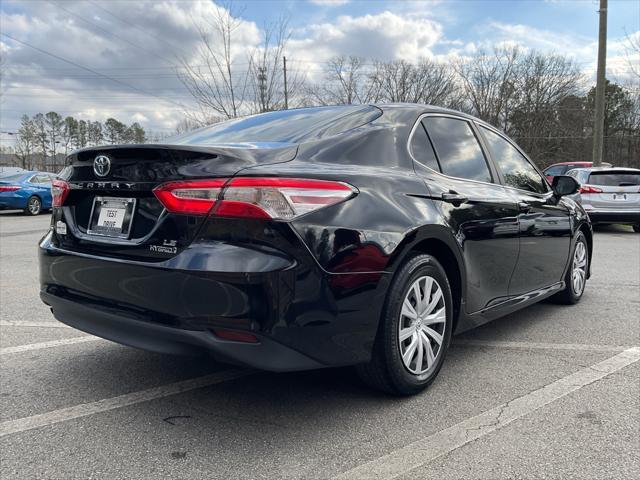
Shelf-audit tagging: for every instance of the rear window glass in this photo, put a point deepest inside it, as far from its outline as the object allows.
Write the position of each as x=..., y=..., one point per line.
x=12, y=178
x=578, y=174
x=557, y=170
x=422, y=150
x=618, y=179
x=284, y=126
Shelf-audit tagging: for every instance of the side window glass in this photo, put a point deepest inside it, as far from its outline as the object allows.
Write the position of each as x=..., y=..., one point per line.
x=422, y=150
x=457, y=148
x=553, y=171
x=515, y=168
x=44, y=179
x=33, y=179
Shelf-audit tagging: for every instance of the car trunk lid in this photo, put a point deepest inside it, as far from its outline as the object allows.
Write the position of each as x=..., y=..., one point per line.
x=148, y=231
x=618, y=190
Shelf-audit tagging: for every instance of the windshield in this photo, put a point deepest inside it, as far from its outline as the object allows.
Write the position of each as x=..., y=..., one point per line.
x=615, y=179
x=285, y=126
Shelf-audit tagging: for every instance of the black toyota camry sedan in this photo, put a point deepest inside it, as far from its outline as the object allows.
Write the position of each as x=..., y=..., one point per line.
x=310, y=238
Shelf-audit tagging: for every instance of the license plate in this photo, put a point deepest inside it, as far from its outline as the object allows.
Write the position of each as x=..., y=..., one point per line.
x=111, y=216
x=619, y=196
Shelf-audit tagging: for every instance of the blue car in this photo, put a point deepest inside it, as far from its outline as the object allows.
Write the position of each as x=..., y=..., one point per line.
x=28, y=191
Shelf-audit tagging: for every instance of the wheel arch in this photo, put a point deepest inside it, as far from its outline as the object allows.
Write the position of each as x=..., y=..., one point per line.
x=437, y=241
x=586, y=229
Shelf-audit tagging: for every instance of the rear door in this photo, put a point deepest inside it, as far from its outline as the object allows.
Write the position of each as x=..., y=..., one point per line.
x=482, y=214
x=545, y=227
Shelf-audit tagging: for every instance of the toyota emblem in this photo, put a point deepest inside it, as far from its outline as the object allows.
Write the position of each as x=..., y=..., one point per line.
x=101, y=166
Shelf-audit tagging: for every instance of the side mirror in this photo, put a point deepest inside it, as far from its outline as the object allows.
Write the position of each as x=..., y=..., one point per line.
x=564, y=185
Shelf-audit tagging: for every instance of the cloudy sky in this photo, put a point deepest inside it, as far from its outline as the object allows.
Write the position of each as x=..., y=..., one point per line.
x=98, y=58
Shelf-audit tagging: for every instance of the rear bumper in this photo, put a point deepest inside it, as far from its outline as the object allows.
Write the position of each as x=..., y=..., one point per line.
x=116, y=326
x=303, y=317
x=614, y=216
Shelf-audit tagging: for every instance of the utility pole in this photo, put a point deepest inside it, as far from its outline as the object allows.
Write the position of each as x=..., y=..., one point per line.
x=286, y=92
x=262, y=86
x=598, y=125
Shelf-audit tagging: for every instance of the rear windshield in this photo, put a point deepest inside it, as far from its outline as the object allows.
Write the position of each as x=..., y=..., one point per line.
x=284, y=126
x=617, y=179
x=16, y=177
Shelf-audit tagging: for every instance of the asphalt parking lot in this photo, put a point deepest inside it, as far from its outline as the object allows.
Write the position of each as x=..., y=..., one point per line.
x=548, y=392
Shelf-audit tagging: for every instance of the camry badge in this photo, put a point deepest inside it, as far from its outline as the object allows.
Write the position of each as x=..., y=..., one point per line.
x=101, y=166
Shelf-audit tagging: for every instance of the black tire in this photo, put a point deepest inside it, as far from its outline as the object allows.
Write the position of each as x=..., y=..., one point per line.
x=569, y=296
x=636, y=228
x=34, y=206
x=386, y=370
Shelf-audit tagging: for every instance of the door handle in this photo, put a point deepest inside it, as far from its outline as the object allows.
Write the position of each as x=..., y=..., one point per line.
x=454, y=198
x=524, y=207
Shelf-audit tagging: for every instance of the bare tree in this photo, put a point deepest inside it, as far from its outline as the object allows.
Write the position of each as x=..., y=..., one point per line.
x=95, y=135
x=345, y=82
x=26, y=143
x=542, y=83
x=69, y=134
x=488, y=82
x=82, y=137
x=42, y=138
x=213, y=81
x=266, y=68
x=425, y=82
x=632, y=50
x=54, y=125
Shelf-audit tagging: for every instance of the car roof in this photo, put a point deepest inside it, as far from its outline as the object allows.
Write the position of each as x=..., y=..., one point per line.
x=424, y=108
x=608, y=169
x=572, y=163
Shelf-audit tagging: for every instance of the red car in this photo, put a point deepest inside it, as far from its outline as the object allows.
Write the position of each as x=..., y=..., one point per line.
x=563, y=167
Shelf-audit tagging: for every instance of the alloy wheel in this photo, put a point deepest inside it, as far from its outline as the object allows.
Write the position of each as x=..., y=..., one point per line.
x=34, y=206
x=579, y=272
x=421, y=330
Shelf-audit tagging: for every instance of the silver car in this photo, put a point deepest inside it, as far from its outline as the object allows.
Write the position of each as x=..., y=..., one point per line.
x=609, y=195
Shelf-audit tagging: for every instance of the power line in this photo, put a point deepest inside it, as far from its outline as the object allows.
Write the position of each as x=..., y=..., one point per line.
x=82, y=67
x=126, y=22
x=104, y=30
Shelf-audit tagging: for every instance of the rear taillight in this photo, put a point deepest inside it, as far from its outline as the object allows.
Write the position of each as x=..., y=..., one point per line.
x=10, y=188
x=252, y=197
x=590, y=189
x=279, y=198
x=59, y=192
x=195, y=197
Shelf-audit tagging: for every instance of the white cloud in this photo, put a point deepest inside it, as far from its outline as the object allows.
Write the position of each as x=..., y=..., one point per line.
x=136, y=44
x=582, y=50
x=382, y=36
x=329, y=3
x=140, y=43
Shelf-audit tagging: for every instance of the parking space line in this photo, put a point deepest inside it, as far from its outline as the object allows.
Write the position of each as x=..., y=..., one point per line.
x=23, y=232
x=11, y=323
x=41, y=345
x=83, y=410
x=540, y=346
x=425, y=450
